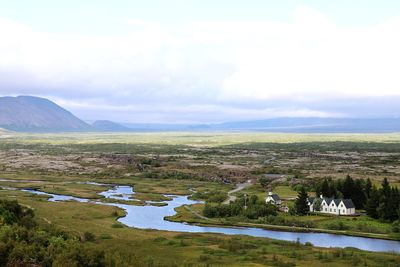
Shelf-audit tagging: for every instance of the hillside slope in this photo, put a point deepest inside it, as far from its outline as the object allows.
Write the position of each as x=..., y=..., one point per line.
x=34, y=114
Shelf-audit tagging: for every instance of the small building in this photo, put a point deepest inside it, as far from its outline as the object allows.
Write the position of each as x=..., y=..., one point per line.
x=335, y=206
x=273, y=199
x=284, y=209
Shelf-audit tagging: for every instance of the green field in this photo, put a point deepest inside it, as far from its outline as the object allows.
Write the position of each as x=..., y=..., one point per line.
x=132, y=247
x=208, y=163
x=197, y=139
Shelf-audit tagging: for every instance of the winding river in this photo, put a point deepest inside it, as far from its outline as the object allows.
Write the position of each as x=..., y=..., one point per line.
x=152, y=217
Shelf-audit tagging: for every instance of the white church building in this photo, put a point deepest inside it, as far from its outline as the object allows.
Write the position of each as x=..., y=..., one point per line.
x=273, y=199
x=332, y=205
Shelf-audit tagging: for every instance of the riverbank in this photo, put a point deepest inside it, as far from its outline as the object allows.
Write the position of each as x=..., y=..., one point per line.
x=186, y=214
x=153, y=217
x=131, y=246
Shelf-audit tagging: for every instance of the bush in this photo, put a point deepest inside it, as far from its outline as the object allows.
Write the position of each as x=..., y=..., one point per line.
x=337, y=226
x=275, y=220
x=255, y=209
x=396, y=226
x=23, y=243
x=105, y=236
x=117, y=225
x=309, y=244
x=89, y=237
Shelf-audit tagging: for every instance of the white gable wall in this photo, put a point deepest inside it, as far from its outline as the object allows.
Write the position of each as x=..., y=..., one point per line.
x=269, y=199
x=331, y=208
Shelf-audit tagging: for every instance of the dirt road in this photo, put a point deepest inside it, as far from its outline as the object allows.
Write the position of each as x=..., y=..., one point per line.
x=237, y=189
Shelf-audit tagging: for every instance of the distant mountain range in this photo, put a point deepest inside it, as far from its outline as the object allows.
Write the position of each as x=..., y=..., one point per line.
x=109, y=126
x=289, y=125
x=34, y=114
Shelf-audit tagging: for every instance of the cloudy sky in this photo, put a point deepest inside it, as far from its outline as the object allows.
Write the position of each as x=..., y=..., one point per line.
x=190, y=61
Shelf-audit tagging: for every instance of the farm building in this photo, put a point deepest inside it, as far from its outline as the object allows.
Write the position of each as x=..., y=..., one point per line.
x=273, y=199
x=331, y=205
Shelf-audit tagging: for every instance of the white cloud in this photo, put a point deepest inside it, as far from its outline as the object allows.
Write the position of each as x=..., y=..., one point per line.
x=313, y=59
x=206, y=64
x=189, y=113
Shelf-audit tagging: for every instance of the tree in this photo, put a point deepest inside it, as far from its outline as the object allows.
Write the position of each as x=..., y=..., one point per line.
x=394, y=204
x=368, y=188
x=385, y=205
x=373, y=203
x=301, y=204
x=317, y=204
x=264, y=181
x=358, y=195
x=325, y=189
x=348, y=187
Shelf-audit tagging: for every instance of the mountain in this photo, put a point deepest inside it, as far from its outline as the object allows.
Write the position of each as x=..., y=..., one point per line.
x=165, y=127
x=109, y=126
x=288, y=125
x=34, y=114
x=315, y=125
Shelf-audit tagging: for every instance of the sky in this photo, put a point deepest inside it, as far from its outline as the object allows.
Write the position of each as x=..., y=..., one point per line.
x=190, y=61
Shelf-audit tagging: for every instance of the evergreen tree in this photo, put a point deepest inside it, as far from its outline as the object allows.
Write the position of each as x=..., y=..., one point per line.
x=373, y=203
x=348, y=187
x=325, y=189
x=301, y=205
x=393, y=204
x=336, y=188
x=358, y=195
x=367, y=188
x=385, y=205
x=317, y=204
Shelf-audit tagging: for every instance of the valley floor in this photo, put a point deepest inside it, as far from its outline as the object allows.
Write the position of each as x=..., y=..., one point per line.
x=184, y=164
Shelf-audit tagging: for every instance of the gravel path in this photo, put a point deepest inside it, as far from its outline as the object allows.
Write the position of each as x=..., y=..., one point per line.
x=237, y=189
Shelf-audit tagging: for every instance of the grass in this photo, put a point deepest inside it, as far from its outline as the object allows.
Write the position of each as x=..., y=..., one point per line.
x=73, y=189
x=356, y=226
x=132, y=247
x=146, y=189
x=195, y=139
x=217, y=155
x=285, y=191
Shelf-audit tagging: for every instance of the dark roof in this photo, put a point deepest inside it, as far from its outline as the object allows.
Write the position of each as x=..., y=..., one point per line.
x=311, y=199
x=275, y=197
x=328, y=200
x=337, y=201
x=348, y=203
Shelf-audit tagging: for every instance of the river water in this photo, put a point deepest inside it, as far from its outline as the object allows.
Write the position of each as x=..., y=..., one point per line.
x=152, y=217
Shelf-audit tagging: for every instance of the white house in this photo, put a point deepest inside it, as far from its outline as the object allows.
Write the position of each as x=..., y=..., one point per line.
x=332, y=205
x=273, y=199
x=284, y=208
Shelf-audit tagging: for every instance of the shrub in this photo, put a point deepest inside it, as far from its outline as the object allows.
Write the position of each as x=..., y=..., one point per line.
x=396, y=226
x=337, y=226
x=105, y=236
x=23, y=243
x=89, y=237
x=117, y=225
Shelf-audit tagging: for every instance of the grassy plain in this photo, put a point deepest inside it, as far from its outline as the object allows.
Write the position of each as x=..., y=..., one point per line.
x=178, y=163
x=198, y=139
x=134, y=247
x=355, y=226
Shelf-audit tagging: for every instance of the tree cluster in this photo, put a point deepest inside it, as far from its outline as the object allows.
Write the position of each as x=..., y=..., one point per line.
x=384, y=203
x=23, y=243
x=301, y=205
x=358, y=190
x=251, y=207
